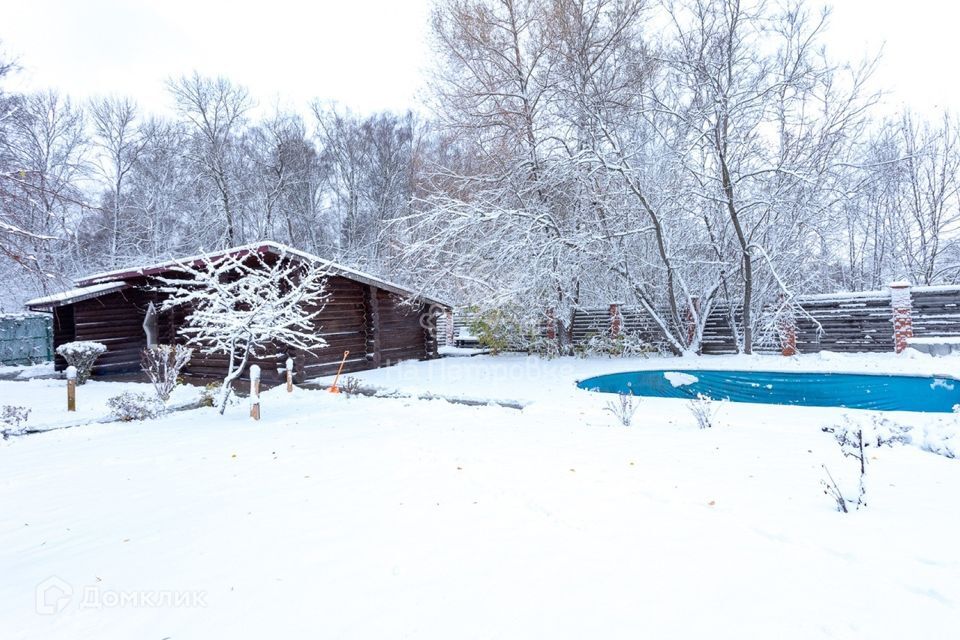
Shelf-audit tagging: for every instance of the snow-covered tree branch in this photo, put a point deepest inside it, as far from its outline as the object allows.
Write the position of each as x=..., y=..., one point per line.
x=247, y=306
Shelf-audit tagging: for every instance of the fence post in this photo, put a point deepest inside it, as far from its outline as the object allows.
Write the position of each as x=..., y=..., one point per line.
x=788, y=335
x=901, y=304
x=616, y=320
x=255, y=392
x=551, y=325
x=448, y=314
x=289, y=364
x=71, y=388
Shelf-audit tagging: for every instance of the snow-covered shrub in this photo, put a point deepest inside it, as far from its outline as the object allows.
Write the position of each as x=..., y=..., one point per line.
x=13, y=420
x=703, y=410
x=210, y=393
x=495, y=329
x=831, y=489
x=350, y=385
x=162, y=364
x=130, y=406
x=543, y=347
x=886, y=433
x=855, y=439
x=623, y=408
x=81, y=354
x=943, y=440
x=622, y=345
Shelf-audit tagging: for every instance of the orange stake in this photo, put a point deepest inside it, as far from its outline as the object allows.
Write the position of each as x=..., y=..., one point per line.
x=335, y=388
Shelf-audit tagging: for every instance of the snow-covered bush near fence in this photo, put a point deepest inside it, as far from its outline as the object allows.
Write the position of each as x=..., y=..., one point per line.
x=162, y=364
x=624, y=344
x=81, y=354
x=129, y=406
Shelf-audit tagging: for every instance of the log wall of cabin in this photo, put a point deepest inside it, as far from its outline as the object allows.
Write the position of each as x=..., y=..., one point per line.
x=116, y=321
x=401, y=333
x=343, y=323
x=377, y=327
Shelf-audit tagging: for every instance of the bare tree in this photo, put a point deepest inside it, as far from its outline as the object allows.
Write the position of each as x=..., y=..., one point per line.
x=242, y=305
x=769, y=117
x=43, y=156
x=120, y=140
x=215, y=109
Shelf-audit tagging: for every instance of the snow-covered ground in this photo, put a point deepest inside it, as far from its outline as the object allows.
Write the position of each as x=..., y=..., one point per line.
x=26, y=371
x=357, y=517
x=525, y=379
x=47, y=400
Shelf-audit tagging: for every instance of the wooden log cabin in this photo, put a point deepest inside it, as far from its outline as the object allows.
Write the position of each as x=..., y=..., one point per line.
x=378, y=322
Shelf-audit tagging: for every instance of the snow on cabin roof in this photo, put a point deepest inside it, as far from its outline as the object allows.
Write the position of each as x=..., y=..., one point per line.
x=74, y=295
x=266, y=246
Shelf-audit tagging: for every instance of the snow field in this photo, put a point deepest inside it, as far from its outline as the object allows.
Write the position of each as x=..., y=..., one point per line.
x=371, y=517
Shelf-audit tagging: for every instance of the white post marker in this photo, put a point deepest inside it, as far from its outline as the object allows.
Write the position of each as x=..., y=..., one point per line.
x=289, y=375
x=255, y=392
x=71, y=388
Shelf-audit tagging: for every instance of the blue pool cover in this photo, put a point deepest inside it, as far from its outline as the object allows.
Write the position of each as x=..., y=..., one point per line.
x=853, y=391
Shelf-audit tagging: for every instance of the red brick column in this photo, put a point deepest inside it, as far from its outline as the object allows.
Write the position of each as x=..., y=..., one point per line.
x=551, y=325
x=901, y=304
x=788, y=336
x=616, y=320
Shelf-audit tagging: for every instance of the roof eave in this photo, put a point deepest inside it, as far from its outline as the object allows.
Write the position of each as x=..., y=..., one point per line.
x=270, y=247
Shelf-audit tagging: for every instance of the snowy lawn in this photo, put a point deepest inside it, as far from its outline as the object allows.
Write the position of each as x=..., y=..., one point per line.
x=347, y=517
x=47, y=400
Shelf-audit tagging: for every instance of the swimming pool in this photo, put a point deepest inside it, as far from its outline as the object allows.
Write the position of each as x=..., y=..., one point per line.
x=850, y=390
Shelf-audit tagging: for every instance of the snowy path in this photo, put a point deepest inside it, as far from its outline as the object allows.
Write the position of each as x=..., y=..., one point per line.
x=371, y=518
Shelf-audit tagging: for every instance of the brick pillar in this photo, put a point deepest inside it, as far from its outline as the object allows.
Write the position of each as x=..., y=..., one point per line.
x=448, y=314
x=616, y=320
x=787, y=328
x=900, y=303
x=551, y=325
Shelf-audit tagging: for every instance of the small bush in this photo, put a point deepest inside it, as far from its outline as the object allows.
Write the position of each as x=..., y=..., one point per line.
x=130, y=406
x=625, y=345
x=210, y=394
x=703, y=410
x=855, y=439
x=13, y=420
x=509, y=328
x=163, y=364
x=494, y=329
x=81, y=354
x=623, y=408
x=543, y=347
x=350, y=385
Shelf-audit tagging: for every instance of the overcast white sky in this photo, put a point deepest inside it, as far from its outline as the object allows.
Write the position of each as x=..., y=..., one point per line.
x=369, y=54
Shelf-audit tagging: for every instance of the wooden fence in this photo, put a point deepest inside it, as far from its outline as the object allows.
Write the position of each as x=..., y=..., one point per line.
x=25, y=339
x=848, y=322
